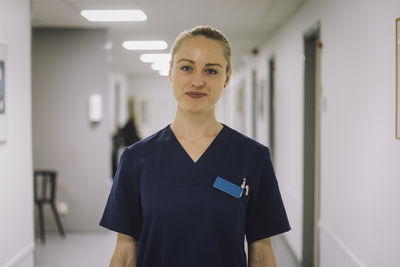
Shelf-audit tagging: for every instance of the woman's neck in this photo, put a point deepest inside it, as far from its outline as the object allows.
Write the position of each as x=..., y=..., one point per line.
x=195, y=125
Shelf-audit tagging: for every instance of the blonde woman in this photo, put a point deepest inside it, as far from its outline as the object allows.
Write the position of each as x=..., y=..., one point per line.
x=188, y=195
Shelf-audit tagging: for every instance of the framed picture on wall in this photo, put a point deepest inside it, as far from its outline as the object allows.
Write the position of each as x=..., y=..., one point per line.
x=3, y=114
x=397, y=78
x=2, y=85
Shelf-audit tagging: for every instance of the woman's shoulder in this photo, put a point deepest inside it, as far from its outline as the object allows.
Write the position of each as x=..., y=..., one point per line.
x=244, y=142
x=150, y=143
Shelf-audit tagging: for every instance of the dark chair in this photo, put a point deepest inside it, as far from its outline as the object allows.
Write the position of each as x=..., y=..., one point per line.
x=45, y=192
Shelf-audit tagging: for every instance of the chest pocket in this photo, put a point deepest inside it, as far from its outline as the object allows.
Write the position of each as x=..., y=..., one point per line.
x=229, y=213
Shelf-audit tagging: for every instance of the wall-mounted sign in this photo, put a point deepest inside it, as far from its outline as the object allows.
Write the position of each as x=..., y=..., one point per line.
x=397, y=78
x=2, y=86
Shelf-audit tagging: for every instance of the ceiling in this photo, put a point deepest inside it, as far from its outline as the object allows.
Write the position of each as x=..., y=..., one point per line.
x=246, y=23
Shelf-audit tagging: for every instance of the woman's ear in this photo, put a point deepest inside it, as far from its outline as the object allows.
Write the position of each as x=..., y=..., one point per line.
x=228, y=78
x=169, y=75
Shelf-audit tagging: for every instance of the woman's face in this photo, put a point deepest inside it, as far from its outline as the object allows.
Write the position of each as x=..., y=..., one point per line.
x=198, y=74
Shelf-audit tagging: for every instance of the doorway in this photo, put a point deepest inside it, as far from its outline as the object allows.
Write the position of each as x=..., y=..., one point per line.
x=311, y=147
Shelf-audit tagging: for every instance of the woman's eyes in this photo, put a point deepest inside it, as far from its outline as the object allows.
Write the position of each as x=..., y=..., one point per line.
x=188, y=68
x=211, y=71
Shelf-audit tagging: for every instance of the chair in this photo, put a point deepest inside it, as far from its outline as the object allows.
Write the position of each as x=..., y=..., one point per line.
x=45, y=192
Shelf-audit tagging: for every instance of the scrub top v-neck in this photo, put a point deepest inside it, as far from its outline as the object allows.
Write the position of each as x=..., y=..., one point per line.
x=166, y=201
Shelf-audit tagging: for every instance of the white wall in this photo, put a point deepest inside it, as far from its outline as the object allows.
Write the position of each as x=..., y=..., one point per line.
x=154, y=94
x=360, y=169
x=16, y=193
x=69, y=65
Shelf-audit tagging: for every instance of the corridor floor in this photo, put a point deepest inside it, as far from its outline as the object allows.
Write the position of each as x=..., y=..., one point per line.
x=95, y=250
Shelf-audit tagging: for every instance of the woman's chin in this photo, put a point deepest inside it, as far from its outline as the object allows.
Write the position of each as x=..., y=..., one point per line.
x=197, y=109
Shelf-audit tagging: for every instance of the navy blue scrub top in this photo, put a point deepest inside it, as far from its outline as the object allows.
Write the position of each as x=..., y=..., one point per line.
x=165, y=200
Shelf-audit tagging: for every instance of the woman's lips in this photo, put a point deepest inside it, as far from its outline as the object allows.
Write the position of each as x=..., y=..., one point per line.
x=195, y=94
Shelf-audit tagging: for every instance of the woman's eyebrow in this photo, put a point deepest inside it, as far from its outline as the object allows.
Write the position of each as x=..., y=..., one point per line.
x=213, y=64
x=207, y=65
x=184, y=59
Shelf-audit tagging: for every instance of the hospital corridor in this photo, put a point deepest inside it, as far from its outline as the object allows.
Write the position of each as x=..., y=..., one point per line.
x=200, y=131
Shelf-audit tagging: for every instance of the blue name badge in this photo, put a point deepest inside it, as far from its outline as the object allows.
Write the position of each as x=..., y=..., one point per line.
x=228, y=187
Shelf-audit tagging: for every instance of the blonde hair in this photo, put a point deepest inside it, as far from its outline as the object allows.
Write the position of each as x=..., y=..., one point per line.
x=208, y=32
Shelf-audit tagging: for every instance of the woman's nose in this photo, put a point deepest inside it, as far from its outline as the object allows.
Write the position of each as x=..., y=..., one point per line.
x=198, y=80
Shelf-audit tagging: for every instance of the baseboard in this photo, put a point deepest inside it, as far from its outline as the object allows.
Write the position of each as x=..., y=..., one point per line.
x=340, y=245
x=21, y=255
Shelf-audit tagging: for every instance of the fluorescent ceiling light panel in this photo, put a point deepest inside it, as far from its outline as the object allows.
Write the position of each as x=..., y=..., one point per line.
x=114, y=15
x=160, y=66
x=145, y=45
x=163, y=72
x=151, y=58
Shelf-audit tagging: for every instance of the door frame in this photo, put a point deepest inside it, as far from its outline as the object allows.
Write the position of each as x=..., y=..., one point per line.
x=311, y=161
x=271, y=105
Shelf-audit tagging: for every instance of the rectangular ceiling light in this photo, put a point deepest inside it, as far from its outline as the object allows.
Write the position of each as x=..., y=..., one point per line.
x=163, y=72
x=160, y=66
x=114, y=15
x=151, y=58
x=145, y=45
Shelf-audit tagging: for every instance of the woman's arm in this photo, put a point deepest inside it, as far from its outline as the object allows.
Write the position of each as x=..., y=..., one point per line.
x=261, y=254
x=125, y=252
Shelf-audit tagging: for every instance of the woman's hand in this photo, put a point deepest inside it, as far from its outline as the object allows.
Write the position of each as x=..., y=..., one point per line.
x=125, y=252
x=261, y=254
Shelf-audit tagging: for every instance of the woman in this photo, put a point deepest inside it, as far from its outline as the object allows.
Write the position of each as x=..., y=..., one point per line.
x=187, y=195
